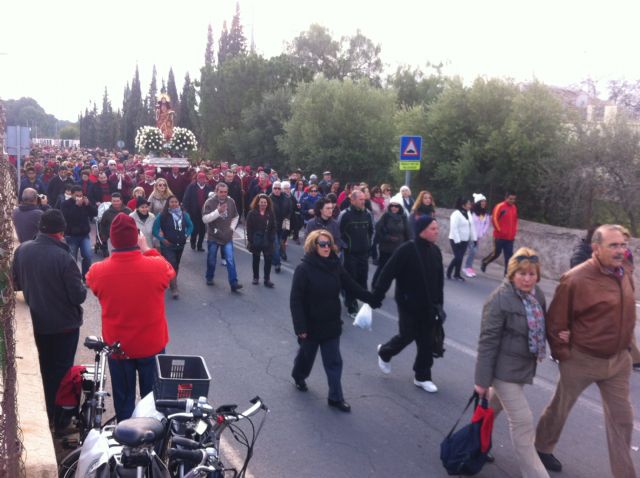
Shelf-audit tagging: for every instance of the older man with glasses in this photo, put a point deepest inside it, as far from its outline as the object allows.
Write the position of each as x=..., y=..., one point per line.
x=590, y=326
x=283, y=210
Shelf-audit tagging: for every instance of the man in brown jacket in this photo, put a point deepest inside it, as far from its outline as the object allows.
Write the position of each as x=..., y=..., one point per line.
x=590, y=325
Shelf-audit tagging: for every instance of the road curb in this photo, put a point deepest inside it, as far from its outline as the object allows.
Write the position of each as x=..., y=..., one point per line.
x=38, y=454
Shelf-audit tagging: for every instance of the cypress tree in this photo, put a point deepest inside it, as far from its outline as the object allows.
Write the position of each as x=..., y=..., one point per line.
x=237, y=42
x=172, y=91
x=208, y=52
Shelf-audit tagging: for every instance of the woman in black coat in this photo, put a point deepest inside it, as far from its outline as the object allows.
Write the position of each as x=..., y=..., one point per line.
x=261, y=236
x=315, y=309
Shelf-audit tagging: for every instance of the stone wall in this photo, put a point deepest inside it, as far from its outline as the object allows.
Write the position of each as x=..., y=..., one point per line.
x=553, y=244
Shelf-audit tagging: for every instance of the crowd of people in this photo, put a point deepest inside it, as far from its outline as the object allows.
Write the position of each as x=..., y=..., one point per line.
x=146, y=217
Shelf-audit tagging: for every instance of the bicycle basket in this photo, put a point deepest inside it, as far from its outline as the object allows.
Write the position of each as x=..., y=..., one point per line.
x=181, y=376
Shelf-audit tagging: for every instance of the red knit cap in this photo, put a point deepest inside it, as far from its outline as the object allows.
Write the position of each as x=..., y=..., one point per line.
x=124, y=232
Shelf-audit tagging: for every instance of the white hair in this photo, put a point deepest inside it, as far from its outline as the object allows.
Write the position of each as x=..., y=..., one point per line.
x=277, y=183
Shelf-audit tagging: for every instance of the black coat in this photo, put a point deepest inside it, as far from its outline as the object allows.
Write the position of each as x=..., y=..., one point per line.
x=265, y=224
x=52, y=284
x=392, y=230
x=191, y=203
x=356, y=231
x=581, y=253
x=315, y=296
x=78, y=217
x=412, y=296
x=282, y=208
x=56, y=188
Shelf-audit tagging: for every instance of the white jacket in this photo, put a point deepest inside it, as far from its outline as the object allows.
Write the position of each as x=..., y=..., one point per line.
x=461, y=228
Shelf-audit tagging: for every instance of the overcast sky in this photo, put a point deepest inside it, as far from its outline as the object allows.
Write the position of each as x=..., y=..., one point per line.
x=63, y=53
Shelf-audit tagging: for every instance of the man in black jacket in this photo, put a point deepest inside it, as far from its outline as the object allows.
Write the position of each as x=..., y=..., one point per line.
x=417, y=268
x=50, y=280
x=57, y=184
x=356, y=231
x=283, y=210
x=78, y=213
x=26, y=217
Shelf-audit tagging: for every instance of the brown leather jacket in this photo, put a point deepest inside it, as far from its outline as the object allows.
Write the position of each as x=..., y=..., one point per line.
x=598, y=308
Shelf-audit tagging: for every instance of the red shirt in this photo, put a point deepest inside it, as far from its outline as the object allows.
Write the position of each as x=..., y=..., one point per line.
x=130, y=287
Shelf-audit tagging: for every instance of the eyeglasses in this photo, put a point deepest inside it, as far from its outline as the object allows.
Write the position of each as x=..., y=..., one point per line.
x=323, y=244
x=313, y=191
x=276, y=188
x=616, y=245
x=394, y=205
x=162, y=185
x=532, y=259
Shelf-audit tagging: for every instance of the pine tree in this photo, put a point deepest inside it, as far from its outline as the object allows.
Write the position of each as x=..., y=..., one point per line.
x=223, y=45
x=151, y=99
x=208, y=52
x=172, y=91
x=133, y=112
x=188, y=115
x=237, y=41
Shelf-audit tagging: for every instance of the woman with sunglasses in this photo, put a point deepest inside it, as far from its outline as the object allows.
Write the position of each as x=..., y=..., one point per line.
x=511, y=343
x=158, y=198
x=315, y=310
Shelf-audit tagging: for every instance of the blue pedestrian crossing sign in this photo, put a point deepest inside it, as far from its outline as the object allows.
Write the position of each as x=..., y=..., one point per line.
x=410, y=152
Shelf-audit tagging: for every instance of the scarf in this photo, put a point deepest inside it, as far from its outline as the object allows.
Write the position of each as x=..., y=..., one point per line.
x=143, y=217
x=426, y=210
x=177, y=218
x=535, y=322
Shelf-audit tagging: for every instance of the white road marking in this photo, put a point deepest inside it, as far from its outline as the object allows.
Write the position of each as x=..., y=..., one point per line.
x=231, y=458
x=543, y=383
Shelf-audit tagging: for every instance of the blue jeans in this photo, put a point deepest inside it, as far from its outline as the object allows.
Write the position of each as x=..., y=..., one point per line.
x=275, y=259
x=84, y=244
x=212, y=247
x=123, y=382
x=471, y=255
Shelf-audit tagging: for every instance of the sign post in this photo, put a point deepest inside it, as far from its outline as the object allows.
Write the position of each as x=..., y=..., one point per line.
x=410, y=155
x=19, y=144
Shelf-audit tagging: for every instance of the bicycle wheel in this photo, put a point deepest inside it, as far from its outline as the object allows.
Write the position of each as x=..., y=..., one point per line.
x=68, y=465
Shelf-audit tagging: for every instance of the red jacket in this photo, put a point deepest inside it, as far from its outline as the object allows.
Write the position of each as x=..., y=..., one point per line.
x=130, y=287
x=505, y=221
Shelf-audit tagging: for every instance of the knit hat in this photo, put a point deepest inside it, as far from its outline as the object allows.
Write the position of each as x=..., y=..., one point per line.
x=141, y=201
x=52, y=222
x=124, y=232
x=201, y=176
x=422, y=223
x=477, y=197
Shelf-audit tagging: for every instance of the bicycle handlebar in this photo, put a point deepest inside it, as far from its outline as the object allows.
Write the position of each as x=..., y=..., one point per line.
x=185, y=404
x=192, y=456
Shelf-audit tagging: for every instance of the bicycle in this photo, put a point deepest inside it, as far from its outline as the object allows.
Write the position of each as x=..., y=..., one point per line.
x=88, y=415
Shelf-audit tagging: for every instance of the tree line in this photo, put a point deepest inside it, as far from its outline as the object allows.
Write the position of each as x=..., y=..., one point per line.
x=324, y=104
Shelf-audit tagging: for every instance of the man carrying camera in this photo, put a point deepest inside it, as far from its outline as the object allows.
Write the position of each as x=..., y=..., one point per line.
x=26, y=216
x=78, y=212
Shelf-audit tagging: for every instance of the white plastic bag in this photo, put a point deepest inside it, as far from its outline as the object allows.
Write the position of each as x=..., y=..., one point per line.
x=363, y=318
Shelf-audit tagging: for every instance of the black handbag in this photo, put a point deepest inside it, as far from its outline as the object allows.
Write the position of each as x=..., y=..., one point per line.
x=465, y=451
x=259, y=240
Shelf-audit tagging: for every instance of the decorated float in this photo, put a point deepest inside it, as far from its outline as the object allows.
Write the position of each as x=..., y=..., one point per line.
x=165, y=145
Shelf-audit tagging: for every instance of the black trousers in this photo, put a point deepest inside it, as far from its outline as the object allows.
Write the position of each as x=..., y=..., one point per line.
x=357, y=266
x=256, y=264
x=56, y=353
x=458, y=254
x=199, y=231
x=499, y=246
x=331, y=359
x=411, y=328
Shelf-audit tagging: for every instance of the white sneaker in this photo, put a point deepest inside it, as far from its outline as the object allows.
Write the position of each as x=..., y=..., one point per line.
x=469, y=273
x=384, y=366
x=223, y=262
x=427, y=385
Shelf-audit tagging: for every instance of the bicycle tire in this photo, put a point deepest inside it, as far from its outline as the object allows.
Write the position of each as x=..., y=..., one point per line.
x=68, y=465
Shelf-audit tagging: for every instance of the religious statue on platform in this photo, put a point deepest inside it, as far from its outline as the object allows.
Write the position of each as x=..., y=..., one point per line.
x=164, y=116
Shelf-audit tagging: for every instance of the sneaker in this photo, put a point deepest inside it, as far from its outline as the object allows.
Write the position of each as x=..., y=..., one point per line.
x=427, y=386
x=384, y=366
x=255, y=281
x=236, y=287
x=483, y=267
x=209, y=281
x=223, y=262
x=459, y=278
x=550, y=462
x=269, y=284
x=469, y=272
x=277, y=269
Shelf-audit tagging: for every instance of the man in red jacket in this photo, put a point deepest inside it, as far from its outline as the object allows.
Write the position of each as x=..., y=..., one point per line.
x=133, y=316
x=505, y=227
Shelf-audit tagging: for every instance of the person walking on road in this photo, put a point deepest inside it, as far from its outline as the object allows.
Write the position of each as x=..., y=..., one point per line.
x=158, y=198
x=505, y=227
x=26, y=216
x=104, y=226
x=261, y=236
x=590, y=326
x=143, y=218
x=512, y=342
x=221, y=216
x=195, y=196
x=417, y=269
x=78, y=213
x=130, y=286
x=356, y=232
x=171, y=228
x=480, y=221
x=45, y=272
x=283, y=212
x=392, y=230
x=323, y=219
x=461, y=233
x=315, y=310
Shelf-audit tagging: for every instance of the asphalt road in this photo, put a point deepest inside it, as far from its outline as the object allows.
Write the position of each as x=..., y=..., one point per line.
x=395, y=429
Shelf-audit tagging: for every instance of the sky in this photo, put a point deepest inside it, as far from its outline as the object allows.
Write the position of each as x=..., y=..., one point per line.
x=64, y=53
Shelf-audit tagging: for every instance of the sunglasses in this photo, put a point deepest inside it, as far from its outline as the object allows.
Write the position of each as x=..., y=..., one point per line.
x=276, y=188
x=323, y=243
x=314, y=191
x=532, y=259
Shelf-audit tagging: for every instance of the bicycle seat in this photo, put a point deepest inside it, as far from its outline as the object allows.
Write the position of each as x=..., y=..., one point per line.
x=138, y=431
x=94, y=343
